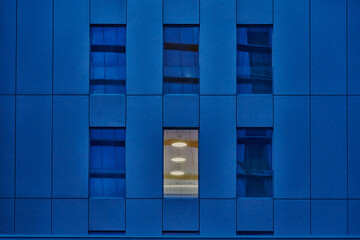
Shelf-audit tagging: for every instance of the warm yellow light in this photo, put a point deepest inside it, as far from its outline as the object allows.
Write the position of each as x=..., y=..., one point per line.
x=177, y=173
x=179, y=144
x=178, y=159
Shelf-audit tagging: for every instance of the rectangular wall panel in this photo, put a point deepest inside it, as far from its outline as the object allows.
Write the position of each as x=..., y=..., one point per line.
x=71, y=147
x=218, y=217
x=291, y=31
x=107, y=110
x=353, y=218
x=353, y=147
x=181, y=12
x=143, y=217
x=7, y=216
x=7, y=46
x=217, y=147
x=69, y=216
x=181, y=214
x=181, y=110
x=329, y=217
x=34, y=46
x=292, y=147
x=328, y=47
x=328, y=147
x=144, y=48
x=33, y=146
x=7, y=146
x=107, y=214
x=108, y=11
x=353, y=47
x=292, y=217
x=144, y=147
x=71, y=46
x=255, y=11
x=32, y=216
x=254, y=110
x=217, y=47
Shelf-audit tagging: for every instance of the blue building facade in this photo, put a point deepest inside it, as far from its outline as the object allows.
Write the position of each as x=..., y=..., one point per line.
x=91, y=92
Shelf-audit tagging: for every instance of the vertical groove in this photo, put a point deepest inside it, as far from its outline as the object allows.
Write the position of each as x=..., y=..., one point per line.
x=347, y=120
x=52, y=117
x=16, y=12
x=310, y=104
x=88, y=128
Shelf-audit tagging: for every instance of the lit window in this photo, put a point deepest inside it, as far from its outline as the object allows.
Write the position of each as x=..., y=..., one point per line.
x=181, y=163
x=254, y=59
x=181, y=59
x=254, y=170
x=107, y=62
x=107, y=162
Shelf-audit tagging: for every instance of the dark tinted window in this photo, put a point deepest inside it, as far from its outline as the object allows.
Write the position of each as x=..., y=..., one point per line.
x=107, y=162
x=181, y=59
x=107, y=62
x=254, y=59
x=254, y=163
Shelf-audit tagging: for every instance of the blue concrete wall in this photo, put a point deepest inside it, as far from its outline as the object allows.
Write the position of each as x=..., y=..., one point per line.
x=46, y=111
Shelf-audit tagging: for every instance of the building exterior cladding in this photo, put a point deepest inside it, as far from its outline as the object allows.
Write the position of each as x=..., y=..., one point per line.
x=47, y=111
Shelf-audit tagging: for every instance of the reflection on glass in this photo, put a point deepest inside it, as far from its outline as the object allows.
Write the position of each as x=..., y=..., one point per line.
x=107, y=62
x=254, y=170
x=181, y=59
x=107, y=162
x=181, y=163
x=254, y=59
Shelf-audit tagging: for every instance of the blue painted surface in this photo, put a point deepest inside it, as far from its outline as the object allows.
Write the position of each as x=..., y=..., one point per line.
x=144, y=147
x=181, y=110
x=107, y=214
x=143, y=217
x=292, y=217
x=328, y=217
x=7, y=146
x=217, y=147
x=34, y=46
x=354, y=220
x=71, y=46
x=107, y=110
x=33, y=146
x=33, y=216
x=217, y=47
x=254, y=214
x=69, y=216
x=254, y=110
x=7, y=216
x=353, y=47
x=181, y=12
x=71, y=147
x=328, y=147
x=144, y=48
x=7, y=46
x=181, y=214
x=108, y=11
x=328, y=47
x=218, y=217
x=291, y=66
x=292, y=147
x=255, y=12
x=353, y=147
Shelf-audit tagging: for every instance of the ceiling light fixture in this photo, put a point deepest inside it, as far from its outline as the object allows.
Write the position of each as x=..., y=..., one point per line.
x=179, y=144
x=177, y=173
x=178, y=159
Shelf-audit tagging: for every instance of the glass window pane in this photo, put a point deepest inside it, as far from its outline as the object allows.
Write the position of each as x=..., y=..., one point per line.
x=107, y=59
x=181, y=59
x=254, y=59
x=107, y=162
x=181, y=163
x=254, y=163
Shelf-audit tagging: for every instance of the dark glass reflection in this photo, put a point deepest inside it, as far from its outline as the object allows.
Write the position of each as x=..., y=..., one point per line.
x=107, y=62
x=254, y=59
x=181, y=59
x=107, y=162
x=254, y=170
